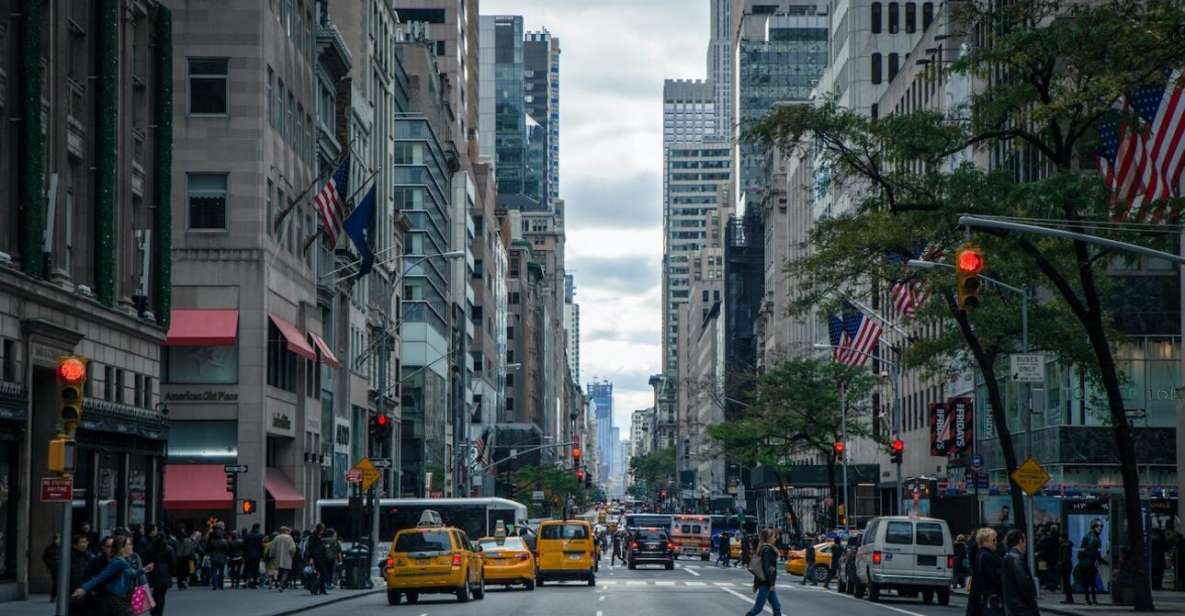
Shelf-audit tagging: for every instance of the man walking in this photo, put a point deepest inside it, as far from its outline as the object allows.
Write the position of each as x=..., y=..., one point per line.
x=252, y=553
x=616, y=549
x=723, y=549
x=283, y=550
x=809, y=574
x=1020, y=593
x=833, y=568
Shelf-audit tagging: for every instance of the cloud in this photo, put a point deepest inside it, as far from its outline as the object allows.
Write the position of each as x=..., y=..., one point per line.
x=624, y=275
x=634, y=201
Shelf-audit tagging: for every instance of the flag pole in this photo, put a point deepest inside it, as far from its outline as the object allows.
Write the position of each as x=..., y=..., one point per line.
x=313, y=237
x=317, y=181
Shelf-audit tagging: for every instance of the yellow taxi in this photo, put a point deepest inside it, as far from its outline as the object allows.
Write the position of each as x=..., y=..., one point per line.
x=566, y=552
x=796, y=561
x=507, y=560
x=433, y=558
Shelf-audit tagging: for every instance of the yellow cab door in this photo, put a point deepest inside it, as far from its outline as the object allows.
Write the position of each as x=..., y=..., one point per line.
x=565, y=545
x=424, y=554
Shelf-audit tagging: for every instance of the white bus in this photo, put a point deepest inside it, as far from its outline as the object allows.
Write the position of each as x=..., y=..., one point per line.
x=476, y=516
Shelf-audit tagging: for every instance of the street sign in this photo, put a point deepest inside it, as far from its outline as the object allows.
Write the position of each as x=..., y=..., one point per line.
x=537, y=496
x=234, y=468
x=354, y=476
x=370, y=474
x=1026, y=368
x=57, y=489
x=1031, y=477
x=381, y=463
x=977, y=463
x=1136, y=413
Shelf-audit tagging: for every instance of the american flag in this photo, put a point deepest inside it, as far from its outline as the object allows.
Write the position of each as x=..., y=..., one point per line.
x=1143, y=157
x=330, y=201
x=911, y=293
x=479, y=447
x=836, y=332
x=863, y=333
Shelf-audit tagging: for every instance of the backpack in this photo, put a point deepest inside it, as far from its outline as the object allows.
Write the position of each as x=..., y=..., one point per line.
x=756, y=566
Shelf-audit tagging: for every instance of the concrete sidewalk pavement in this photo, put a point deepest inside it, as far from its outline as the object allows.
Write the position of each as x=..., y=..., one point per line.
x=203, y=600
x=1165, y=601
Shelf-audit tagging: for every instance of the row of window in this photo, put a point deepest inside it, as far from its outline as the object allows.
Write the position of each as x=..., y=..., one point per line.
x=878, y=63
x=911, y=17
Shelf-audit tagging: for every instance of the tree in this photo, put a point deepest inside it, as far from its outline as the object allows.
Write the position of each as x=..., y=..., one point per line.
x=652, y=471
x=1050, y=74
x=795, y=412
x=562, y=491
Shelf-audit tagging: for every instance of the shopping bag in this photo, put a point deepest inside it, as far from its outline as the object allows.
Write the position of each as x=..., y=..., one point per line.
x=142, y=601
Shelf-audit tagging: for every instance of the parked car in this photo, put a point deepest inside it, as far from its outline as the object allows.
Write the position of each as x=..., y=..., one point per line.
x=910, y=556
x=796, y=561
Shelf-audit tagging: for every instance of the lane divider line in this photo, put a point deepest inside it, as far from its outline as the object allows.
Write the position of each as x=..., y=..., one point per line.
x=746, y=599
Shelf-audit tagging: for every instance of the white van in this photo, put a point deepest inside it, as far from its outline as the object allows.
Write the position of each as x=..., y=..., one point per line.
x=909, y=555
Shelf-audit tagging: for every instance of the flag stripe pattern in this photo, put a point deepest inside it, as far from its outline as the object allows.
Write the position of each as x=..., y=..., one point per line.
x=330, y=201
x=910, y=293
x=859, y=337
x=1143, y=156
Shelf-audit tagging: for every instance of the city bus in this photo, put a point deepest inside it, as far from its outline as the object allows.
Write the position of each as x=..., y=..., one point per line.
x=660, y=521
x=730, y=523
x=478, y=517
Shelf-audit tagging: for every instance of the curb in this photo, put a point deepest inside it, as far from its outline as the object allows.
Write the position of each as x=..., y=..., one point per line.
x=316, y=606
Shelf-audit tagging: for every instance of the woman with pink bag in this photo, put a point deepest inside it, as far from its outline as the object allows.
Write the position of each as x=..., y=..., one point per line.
x=117, y=583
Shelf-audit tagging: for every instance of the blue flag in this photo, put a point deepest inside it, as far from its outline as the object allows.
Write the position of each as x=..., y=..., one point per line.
x=359, y=225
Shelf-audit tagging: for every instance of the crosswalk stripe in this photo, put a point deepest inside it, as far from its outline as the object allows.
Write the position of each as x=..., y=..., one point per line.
x=694, y=584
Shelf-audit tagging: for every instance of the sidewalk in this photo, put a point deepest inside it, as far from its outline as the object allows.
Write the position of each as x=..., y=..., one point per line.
x=1166, y=601
x=200, y=600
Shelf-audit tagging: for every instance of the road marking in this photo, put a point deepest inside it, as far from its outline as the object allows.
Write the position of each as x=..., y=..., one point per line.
x=635, y=583
x=745, y=599
x=694, y=584
x=663, y=583
x=601, y=598
x=723, y=583
x=692, y=571
x=599, y=613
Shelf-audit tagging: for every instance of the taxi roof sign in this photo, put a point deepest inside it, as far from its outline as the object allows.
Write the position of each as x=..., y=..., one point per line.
x=430, y=519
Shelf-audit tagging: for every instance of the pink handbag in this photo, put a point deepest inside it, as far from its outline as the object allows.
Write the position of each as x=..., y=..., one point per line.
x=142, y=600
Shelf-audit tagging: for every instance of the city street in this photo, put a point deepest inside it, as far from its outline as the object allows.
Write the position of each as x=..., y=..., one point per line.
x=693, y=588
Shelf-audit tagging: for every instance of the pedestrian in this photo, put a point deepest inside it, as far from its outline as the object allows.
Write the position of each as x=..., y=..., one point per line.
x=766, y=574
x=52, y=557
x=985, y=581
x=746, y=550
x=80, y=558
x=722, y=548
x=96, y=565
x=1065, y=566
x=234, y=559
x=333, y=556
x=1018, y=589
x=961, y=561
x=185, y=553
x=1157, y=547
x=283, y=550
x=1049, y=553
x=809, y=574
x=833, y=568
x=117, y=580
x=616, y=549
x=252, y=554
x=163, y=558
x=216, y=550
x=1090, y=556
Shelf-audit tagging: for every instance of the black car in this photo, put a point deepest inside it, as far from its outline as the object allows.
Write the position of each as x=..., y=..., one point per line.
x=650, y=546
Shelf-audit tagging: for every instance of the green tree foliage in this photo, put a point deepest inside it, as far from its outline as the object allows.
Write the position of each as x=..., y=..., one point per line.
x=652, y=471
x=1047, y=75
x=795, y=414
x=562, y=491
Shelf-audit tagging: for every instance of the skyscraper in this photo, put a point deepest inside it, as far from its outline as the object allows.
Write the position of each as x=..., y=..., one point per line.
x=572, y=326
x=601, y=394
x=720, y=63
x=541, y=58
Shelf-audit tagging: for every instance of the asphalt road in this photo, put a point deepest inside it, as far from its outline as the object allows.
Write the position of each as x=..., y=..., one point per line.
x=693, y=588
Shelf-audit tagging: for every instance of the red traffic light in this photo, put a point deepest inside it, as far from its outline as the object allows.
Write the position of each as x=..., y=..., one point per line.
x=576, y=453
x=580, y=474
x=898, y=446
x=247, y=507
x=969, y=261
x=839, y=447
x=381, y=421
x=71, y=370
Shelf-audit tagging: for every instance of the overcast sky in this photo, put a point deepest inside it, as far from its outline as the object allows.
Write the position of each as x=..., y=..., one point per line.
x=614, y=57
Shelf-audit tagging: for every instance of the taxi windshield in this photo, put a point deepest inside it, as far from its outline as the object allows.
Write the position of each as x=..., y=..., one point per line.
x=423, y=541
x=510, y=543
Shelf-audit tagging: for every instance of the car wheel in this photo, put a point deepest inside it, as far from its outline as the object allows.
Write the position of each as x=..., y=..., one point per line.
x=413, y=597
x=670, y=565
x=632, y=565
x=592, y=579
x=857, y=589
x=944, y=596
x=704, y=557
x=539, y=582
x=820, y=575
x=463, y=592
x=480, y=592
x=393, y=597
x=928, y=596
x=530, y=584
x=874, y=591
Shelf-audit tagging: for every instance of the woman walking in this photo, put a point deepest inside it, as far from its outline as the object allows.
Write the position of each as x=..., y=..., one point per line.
x=987, y=580
x=1090, y=556
x=216, y=550
x=1065, y=566
x=764, y=580
x=117, y=580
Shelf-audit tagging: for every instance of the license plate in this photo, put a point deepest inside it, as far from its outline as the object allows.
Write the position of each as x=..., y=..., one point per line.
x=888, y=556
x=651, y=546
x=574, y=557
x=927, y=561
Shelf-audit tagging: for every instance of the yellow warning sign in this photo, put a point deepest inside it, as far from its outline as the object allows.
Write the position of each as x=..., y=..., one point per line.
x=1031, y=477
x=370, y=474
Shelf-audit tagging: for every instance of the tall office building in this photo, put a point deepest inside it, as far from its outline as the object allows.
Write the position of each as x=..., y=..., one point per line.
x=572, y=326
x=541, y=71
x=720, y=62
x=695, y=164
x=601, y=395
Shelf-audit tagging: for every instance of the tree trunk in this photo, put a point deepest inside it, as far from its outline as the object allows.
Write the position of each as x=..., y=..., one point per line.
x=987, y=366
x=784, y=494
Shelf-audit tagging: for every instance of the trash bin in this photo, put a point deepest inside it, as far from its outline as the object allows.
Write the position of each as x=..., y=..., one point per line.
x=356, y=565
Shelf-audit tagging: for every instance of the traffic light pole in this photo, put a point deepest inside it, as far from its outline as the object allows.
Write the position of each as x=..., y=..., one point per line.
x=843, y=429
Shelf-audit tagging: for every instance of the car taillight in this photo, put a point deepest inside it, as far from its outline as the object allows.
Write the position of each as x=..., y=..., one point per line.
x=634, y=545
x=672, y=547
x=390, y=563
x=950, y=561
x=456, y=560
x=876, y=558
x=524, y=556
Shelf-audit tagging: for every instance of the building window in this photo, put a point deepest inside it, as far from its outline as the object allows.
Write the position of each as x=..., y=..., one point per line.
x=510, y=379
x=510, y=332
x=281, y=363
x=877, y=18
x=201, y=365
x=894, y=17
x=876, y=68
x=911, y=17
x=271, y=101
x=271, y=207
x=9, y=361
x=207, y=200
x=927, y=14
x=208, y=86
x=514, y=299
x=894, y=63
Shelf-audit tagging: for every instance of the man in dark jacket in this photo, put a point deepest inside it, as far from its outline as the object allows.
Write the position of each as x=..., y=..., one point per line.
x=833, y=568
x=315, y=553
x=253, y=552
x=80, y=559
x=159, y=552
x=809, y=574
x=1019, y=591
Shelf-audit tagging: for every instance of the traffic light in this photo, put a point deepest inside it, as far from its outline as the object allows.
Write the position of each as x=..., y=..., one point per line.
x=380, y=425
x=898, y=450
x=576, y=455
x=71, y=379
x=968, y=264
x=61, y=455
x=580, y=475
x=232, y=483
x=662, y=494
x=247, y=506
x=839, y=448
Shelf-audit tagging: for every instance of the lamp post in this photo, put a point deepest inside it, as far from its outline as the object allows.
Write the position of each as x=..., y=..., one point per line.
x=920, y=264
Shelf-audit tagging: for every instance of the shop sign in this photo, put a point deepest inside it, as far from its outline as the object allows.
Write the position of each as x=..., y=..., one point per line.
x=280, y=421
x=201, y=396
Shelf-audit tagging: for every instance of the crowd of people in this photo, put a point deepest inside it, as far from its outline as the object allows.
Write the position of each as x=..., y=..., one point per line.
x=106, y=573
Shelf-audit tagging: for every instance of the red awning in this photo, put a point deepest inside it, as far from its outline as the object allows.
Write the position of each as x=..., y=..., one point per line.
x=282, y=490
x=190, y=327
x=327, y=356
x=196, y=486
x=296, y=341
